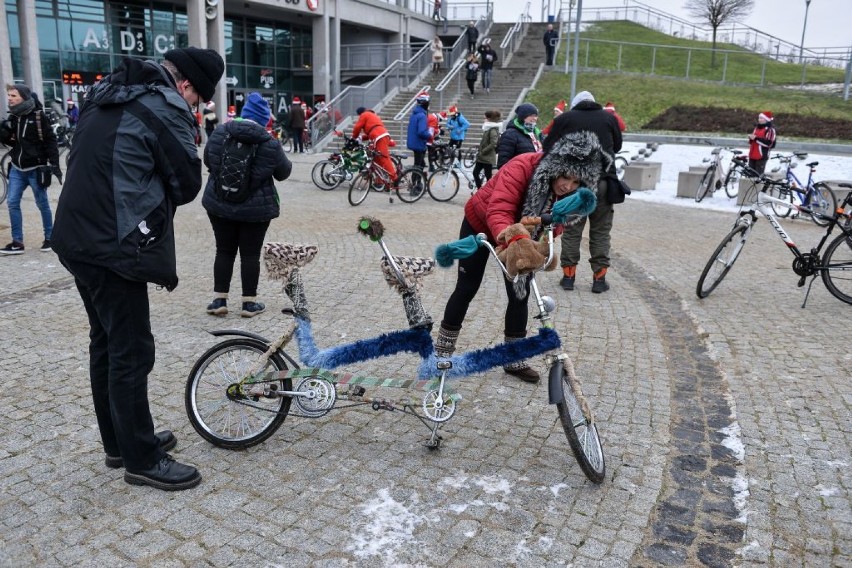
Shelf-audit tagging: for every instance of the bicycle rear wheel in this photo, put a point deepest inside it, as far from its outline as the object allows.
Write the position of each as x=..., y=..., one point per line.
x=784, y=194
x=580, y=430
x=620, y=164
x=823, y=202
x=837, y=268
x=411, y=185
x=443, y=184
x=721, y=261
x=322, y=179
x=360, y=187
x=469, y=158
x=704, y=184
x=4, y=188
x=221, y=409
x=732, y=183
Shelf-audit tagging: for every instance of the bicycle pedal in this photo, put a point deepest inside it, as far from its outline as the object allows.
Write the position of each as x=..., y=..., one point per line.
x=357, y=391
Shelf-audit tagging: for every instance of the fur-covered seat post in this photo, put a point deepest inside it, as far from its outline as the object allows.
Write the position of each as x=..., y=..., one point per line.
x=282, y=261
x=413, y=270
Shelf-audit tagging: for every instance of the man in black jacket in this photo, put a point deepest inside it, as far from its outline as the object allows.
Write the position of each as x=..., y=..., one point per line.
x=472, y=35
x=551, y=36
x=27, y=130
x=133, y=162
x=586, y=114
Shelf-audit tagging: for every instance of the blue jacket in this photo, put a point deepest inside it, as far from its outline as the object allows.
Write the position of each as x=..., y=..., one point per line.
x=418, y=130
x=458, y=126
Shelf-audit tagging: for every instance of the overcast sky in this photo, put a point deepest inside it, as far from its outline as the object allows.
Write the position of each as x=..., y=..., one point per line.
x=828, y=20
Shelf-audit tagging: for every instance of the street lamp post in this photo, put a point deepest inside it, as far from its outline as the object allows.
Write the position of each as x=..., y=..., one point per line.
x=804, y=27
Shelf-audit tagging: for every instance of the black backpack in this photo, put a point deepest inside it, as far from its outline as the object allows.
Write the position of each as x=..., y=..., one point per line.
x=233, y=181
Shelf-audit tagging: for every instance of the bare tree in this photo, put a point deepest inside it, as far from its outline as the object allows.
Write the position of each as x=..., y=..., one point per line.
x=718, y=12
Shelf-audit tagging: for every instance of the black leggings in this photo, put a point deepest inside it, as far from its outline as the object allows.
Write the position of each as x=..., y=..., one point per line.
x=470, y=273
x=230, y=237
x=478, y=168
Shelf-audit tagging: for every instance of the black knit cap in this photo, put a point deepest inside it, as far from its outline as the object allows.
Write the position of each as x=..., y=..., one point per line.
x=202, y=67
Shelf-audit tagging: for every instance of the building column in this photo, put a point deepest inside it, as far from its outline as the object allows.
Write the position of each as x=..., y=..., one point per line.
x=6, y=74
x=321, y=56
x=30, y=57
x=216, y=41
x=336, y=84
x=197, y=22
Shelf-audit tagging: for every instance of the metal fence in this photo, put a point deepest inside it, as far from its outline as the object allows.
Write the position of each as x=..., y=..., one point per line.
x=515, y=35
x=375, y=56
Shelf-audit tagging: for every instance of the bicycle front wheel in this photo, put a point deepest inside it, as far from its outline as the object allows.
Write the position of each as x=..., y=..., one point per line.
x=837, y=268
x=722, y=260
x=784, y=194
x=359, y=189
x=411, y=185
x=823, y=202
x=581, y=432
x=320, y=175
x=220, y=402
x=704, y=184
x=469, y=158
x=443, y=184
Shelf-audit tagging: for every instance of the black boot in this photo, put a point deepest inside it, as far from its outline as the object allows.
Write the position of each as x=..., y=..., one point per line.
x=521, y=369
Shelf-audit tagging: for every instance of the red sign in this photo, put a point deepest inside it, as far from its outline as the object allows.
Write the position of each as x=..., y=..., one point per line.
x=312, y=5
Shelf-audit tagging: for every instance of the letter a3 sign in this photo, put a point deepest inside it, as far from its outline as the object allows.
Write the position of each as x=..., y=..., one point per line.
x=312, y=5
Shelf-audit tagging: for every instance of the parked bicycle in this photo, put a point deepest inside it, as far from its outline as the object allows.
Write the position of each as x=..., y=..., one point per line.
x=815, y=196
x=5, y=162
x=444, y=182
x=340, y=166
x=621, y=162
x=241, y=390
x=719, y=174
x=835, y=266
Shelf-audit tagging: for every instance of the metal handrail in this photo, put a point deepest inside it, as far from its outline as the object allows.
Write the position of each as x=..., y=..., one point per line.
x=459, y=53
x=515, y=35
x=373, y=94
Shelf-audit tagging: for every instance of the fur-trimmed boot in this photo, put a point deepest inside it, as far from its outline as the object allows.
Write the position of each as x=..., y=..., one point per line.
x=521, y=369
x=251, y=308
x=445, y=345
x=219, y=305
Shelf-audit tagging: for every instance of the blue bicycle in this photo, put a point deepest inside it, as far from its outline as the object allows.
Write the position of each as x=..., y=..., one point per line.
x=814, y=196
x=240, y=391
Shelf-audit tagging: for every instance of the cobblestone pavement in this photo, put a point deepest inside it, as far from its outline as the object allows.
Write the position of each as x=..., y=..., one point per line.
x=726, y=421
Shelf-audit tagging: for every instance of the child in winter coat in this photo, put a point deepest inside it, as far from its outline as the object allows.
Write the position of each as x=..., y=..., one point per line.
x=457, y=125
x=486, y=157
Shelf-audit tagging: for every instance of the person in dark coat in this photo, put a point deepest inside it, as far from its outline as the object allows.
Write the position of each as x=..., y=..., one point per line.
x=472, y=35
x=487, y=59
x=521, y=135
x=296, y=124
x=419, y=133
x=550, y=38
x=133, y=161
x=241, y=227
x=587, y=115
x=527, y=186
x=33, y=145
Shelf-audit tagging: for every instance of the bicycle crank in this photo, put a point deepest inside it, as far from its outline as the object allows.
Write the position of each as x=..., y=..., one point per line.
x=315, y=397
x=438, y=408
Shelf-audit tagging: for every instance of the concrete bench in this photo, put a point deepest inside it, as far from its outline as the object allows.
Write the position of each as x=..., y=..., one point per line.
x=839, y=192
x=687, y=183
x=641, y=177
x=656, y=166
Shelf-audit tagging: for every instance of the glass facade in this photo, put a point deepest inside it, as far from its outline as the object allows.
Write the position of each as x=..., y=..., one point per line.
x=89, y=37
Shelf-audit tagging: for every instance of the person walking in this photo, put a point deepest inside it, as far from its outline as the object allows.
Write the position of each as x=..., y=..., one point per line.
x=550, y=39
x=487, y=59
x=436, y=11
x=587, y=115
x=419, y=133
x=133, y=162
x=33, y=146
x=458, y=125
x=761, y=141
x=521, y=135
x=296, y=125
x=525, y=187
x=371, y=127
x=436, y=46
x=73, y=114
x=471, y=73
x=486, y=156
x=240, y=225
x=471, y=34
x=210, y=119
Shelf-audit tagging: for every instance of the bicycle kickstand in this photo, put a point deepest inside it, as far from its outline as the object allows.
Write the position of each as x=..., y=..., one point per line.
x=808, y=291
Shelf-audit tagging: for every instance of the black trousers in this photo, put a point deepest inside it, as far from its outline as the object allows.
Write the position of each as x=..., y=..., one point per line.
x=550, y=54
x=298, y=141
x=121, y=354
x=758, y=165
x=478, y=168
x=420, y=159
x=233, y=236
x=470, y=273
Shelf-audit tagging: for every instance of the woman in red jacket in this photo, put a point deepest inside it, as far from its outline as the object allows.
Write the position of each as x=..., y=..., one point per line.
x=526, y=186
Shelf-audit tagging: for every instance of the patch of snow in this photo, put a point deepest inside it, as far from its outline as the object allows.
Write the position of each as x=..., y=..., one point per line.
x=826, y=491
x=741, y=493
x=733, y=441
x=387, y=526
x=555, y=489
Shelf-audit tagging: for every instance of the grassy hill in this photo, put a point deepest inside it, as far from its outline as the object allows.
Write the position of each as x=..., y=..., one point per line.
x=641, y=98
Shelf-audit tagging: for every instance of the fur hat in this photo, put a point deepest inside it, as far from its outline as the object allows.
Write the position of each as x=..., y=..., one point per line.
x=256, y=109
x=766, y=115
x=582, y=96
x=526, y=110
x=202, y=67
x=578, y=154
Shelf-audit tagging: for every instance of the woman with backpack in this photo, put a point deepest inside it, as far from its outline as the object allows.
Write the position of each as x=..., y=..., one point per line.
x=241, y=200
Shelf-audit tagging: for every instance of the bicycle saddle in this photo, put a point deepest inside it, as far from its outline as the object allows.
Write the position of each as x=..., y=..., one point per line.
x=413, y=269
x=281, y=258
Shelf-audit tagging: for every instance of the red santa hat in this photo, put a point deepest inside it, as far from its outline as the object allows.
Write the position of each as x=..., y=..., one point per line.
x=765, y=115
x=609, y=105
x=560, y=106
x=297, y=101
x=422, y=96
x=453, y=109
